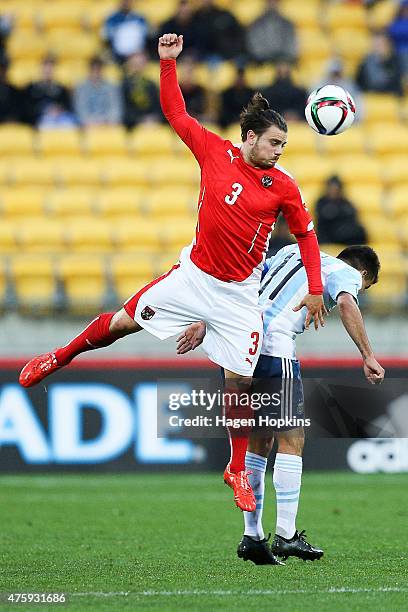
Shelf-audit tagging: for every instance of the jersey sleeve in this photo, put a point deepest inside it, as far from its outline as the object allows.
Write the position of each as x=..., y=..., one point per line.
x=295, y=211
x=266, y=266
x=192, y=133
x=343, y=281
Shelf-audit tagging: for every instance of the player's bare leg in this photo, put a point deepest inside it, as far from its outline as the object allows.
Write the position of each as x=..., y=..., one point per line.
x=101, y=332
x=235, y=475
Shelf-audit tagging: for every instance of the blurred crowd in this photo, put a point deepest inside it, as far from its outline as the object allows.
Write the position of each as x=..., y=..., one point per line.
x=212, y=35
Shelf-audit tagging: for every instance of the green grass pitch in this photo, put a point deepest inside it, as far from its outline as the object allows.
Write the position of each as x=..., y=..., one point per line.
x=168, y=542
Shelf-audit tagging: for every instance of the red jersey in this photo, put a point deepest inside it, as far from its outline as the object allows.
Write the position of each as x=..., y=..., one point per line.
x=238, y=204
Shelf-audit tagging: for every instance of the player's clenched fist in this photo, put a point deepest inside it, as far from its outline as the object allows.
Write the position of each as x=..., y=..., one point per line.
x=170, y=46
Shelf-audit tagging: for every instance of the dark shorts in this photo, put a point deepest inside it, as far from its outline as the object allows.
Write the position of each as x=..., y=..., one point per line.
x=280, y=379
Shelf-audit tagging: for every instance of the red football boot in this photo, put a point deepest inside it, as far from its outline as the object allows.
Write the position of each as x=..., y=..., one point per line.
x=37, y=369
x=243, y=494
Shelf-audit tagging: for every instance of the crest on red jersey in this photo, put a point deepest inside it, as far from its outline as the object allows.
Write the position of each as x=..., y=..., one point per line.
x=266, y=180
x=147, y=313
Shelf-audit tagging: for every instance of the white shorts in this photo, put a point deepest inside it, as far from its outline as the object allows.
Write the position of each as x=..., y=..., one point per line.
x=186, y=294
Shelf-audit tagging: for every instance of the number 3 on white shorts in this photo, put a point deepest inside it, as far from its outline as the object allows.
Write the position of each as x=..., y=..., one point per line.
x=236, y=190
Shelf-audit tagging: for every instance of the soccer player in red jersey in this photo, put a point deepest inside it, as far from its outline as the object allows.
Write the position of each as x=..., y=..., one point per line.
x=217, y=278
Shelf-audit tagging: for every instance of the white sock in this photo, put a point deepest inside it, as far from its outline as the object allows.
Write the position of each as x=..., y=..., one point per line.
x=253, y=520
x=287, y=476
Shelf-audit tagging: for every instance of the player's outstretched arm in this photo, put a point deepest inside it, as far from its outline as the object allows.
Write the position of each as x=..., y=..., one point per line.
x=191, y=337
x=353, y=322
x=171, y=99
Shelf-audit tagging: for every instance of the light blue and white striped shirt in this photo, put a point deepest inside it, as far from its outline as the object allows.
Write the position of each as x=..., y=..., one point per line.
x=283, y=286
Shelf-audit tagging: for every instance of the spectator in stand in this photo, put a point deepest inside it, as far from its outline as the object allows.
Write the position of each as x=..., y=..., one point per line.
x=47, y=91
x=125, y=32
x=335, y=76
x=280, y=236
x=380, y=71
x=96, y=101
x=337, y=218
x=194, y=95
x=140, y=94
x=272, y=37
x=234, y=99
x=56, y=117
x=286, y=97
x=10, y=97
x=6, y=25
x=183, y=23
x=398, y=32
x=219, y=36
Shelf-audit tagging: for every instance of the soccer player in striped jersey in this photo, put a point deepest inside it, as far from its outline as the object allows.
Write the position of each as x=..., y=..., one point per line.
x=355, y=269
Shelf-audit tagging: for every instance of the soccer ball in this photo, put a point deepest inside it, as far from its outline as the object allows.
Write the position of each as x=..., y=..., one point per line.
x=330, y=110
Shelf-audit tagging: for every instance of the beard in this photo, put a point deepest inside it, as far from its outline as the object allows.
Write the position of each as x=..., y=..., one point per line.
x=259, y=162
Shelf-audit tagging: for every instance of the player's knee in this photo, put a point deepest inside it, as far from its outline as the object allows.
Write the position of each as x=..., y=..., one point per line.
x=122, y=324
x=260, y=446
x=291, y=442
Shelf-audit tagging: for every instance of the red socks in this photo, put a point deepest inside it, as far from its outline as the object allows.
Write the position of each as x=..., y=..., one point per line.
x=237, y=409
x=96, y=335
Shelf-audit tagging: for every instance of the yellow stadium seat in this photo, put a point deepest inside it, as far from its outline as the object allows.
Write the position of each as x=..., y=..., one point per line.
x=54, y=142
x=351, y=44
x=395, y=171
x=152, y=140
x=247, y=12
x=168, y=171
x=137, y=235
x=351, y=142
x=381, y=14
x=29, y=171
x=70, y=72
x=259, y=77
x=303, y=14
x=8, y=237
x=214, y=78
x=367, y=198
x=157, y=11
x=166, y=201
x=233, y=133
x=84, y=283
x=381, y=108
x=62, y=15
x=16, y=140
x=25, y=13
x=121, y=201
x=26, y=44
x=389, y=140
x=380, y=229
x=310, y=169
x=23, y=71
x=121, y=172
x=348, y=15
x=89, y=235
x=96, y=13
x=314, y=44
x=71, y=202
x=359, y=169
x=301, y=140
x=73, y=44
x=331, y=248
x=398, y=202
x=391, y=291
x=73, y=171
x=107, y=140
x=166, y=261
x=24, y=202
x=130, y=272
x=178, y=232
x=34, y=279
x=41, y=235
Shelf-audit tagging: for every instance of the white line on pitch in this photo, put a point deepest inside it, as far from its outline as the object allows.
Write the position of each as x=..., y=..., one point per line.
x=224, y=593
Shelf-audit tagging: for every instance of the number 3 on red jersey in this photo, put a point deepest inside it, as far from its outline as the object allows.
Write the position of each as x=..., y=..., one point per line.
x=232, y=198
